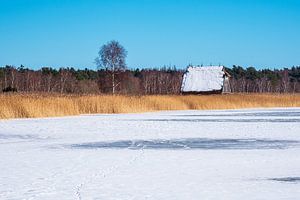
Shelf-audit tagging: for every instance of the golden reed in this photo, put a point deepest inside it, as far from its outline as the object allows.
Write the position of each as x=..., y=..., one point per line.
x=51, y=105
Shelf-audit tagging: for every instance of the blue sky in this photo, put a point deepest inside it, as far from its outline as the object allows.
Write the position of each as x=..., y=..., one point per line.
x=260, y=33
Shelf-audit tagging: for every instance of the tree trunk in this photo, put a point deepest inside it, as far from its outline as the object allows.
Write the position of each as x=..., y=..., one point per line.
x=113, y=82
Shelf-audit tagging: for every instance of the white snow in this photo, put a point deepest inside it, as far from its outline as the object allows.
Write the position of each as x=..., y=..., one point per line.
x=203, y=79
x=233, y=154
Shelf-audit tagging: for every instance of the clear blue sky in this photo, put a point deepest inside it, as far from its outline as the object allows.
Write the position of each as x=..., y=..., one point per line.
x=260, y=33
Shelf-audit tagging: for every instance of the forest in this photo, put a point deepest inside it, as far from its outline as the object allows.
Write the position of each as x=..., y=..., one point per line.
x=164, y=80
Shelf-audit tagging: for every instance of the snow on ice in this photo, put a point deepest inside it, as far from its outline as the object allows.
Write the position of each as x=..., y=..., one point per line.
x=233, y=154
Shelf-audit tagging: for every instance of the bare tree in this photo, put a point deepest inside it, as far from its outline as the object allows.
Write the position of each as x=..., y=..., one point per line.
x=112, y=58
x=65, y=75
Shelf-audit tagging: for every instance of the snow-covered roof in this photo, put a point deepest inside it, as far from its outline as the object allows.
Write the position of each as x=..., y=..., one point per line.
x=203, y=79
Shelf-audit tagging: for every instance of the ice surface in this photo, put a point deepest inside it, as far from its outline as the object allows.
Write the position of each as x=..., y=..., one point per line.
x=203, y=79
x=233, y=154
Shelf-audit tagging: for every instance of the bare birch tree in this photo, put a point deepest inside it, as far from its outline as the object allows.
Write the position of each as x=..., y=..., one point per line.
x=112, y=58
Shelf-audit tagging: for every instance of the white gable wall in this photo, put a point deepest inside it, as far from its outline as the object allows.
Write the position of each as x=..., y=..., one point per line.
x=203, y=79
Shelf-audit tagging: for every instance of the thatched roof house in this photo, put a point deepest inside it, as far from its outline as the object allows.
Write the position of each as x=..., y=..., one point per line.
x=206, y=79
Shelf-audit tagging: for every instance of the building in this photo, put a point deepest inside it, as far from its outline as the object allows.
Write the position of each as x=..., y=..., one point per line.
x=205, y=80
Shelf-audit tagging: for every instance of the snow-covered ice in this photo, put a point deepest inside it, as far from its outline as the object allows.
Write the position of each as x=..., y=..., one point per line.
x=232, y=154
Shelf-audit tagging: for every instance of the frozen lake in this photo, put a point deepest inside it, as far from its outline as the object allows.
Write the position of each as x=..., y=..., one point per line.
x=233, y=154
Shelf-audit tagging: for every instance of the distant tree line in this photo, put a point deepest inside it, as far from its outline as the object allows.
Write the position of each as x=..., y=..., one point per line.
x=285, y=80
x=165, y=80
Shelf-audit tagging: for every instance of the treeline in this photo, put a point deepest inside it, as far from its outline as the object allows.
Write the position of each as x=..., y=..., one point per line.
x=145, y=81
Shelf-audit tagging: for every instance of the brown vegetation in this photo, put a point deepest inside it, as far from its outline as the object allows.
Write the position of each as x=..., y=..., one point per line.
x=49, y=105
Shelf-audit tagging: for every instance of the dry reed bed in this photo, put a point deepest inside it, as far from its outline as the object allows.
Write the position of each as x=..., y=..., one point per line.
x=50, y=105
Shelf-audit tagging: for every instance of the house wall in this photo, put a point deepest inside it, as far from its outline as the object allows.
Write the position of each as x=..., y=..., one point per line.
x=226, y=85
